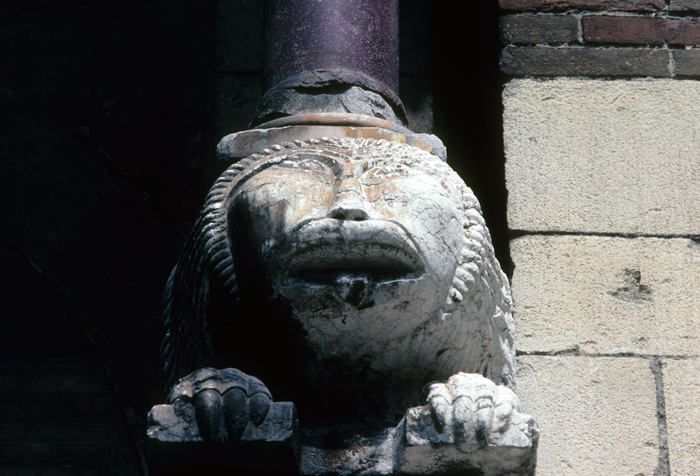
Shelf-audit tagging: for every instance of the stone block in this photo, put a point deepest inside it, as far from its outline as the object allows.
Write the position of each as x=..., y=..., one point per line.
x=682, y=392
x=414, y=38
x=623, y=30
x=237, y=97
x=60, y=417
x=597, y=415
x=687, y=62
x=34, y=323
x=140, y=326
x=95, y=258
x=42, y=160
x=176, y=447
x=239, y=46
x=603, y=156
x=51, y=58
x=414, y=447
x=159, y=130
x=606, y=295
x=684, y=5
x=567, y=61
x=429, y=452
x=533, y=29
x=417, y=97
x=608, y=5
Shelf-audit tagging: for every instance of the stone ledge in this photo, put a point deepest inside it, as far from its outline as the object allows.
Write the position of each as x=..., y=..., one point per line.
x=279, y=446
x=606, y=295
x=176, y=448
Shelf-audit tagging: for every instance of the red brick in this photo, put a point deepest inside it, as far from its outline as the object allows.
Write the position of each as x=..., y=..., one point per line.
x=641, y=30
x=684, y=5
x=606, y=5
x=623, y=30
x=682, y=31
x=567, y=61
x=533, y=29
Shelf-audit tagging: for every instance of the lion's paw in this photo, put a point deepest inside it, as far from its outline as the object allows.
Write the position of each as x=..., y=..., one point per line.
x=224, y=401
x=472, y=409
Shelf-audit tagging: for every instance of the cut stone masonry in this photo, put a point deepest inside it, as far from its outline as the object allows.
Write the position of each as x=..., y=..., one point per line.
x=601, y=175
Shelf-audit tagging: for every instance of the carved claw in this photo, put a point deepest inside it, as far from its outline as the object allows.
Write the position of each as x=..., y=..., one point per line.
x=472, y=409
x=224, y=401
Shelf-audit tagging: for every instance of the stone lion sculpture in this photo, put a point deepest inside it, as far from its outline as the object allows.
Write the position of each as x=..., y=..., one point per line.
x=349, y=276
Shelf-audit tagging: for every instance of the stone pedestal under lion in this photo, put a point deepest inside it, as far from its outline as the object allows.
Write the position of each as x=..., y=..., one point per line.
x=349, y=275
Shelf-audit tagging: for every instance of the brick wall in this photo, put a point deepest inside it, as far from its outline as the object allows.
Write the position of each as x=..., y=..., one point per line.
x=602, y=143
x=599, y=38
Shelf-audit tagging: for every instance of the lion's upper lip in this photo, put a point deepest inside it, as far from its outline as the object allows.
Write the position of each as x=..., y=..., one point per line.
x=377, y=249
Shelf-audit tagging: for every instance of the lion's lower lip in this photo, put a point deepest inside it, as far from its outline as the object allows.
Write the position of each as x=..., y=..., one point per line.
x=325, y=262
x=330, y=252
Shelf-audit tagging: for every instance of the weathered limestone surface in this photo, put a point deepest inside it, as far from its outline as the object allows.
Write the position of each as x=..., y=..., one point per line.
x=603, y=156
x=682, y=392
x=606, y=295
x=597, y=415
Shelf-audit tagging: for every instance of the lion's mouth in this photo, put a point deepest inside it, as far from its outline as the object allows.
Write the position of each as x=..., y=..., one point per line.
x=356, y=259
x=325, y=261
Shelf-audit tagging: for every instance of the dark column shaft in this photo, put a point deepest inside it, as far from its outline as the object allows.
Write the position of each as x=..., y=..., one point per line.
x=356, y=40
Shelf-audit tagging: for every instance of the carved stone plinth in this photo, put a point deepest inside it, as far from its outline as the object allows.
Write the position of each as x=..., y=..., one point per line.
x=427, y=452
x=414, y=447
x=177, y=448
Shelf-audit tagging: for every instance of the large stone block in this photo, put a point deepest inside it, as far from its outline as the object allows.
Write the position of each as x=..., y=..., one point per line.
x=60, y=417
x=35, y=325
x=237, y=96
x=603, y=156
x=606, y=295
x=682, y=391
x=47, y=172
x=239, y=36
x=597, y=415
x=95, y=259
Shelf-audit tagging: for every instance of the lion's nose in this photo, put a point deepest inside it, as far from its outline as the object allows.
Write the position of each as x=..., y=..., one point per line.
x=348, y=203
